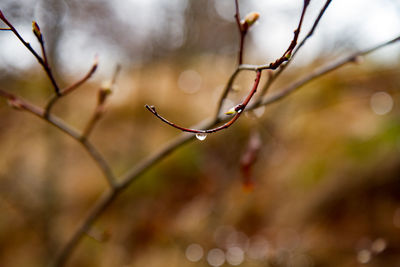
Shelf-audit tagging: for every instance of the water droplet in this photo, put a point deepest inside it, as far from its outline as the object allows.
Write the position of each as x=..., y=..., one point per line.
x=201, y=136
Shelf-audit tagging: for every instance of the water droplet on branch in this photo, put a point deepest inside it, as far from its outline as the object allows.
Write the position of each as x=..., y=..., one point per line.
x=201, y=136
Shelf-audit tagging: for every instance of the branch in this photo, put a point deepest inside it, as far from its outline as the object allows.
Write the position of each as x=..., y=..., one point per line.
x=42, y=62
x=103, y=94
x=305, y=39
x=132, y=175
x=71, y=88
x=236, y=110
x=320, y=72
x=21, y=104
x=226, y=91
x=241, y=33
x=272, y=77
x=243, y=26
x=288, y=53
x=315, y=25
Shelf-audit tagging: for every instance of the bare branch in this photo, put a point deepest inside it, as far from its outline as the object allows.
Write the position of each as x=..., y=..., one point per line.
x=99, y=207
x=103, y=94
x=320, y=72
x=42, y=62
x=21, y=104
x=226, y=91
x=242, y=33
x=71, y=88
x=237, y=110
x=312, y=30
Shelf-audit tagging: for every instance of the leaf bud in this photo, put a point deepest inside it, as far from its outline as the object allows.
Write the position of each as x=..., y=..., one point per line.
x=251, y=18
x=36, y=30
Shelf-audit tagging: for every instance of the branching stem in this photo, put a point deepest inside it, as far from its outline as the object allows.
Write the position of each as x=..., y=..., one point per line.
x=238, y=111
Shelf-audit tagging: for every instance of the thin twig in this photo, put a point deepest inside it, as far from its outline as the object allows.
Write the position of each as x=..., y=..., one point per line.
x=305, y=39
x=242, y=66
x=312, y=30
x=226, y=91
x=288, y=53
x=21, y=104
x=101, y=204
x=320, y=72
x=71, y=88
x=296, y=50
x=238, y=111
x=41, y=61
x=103, y=94
x=242, y=33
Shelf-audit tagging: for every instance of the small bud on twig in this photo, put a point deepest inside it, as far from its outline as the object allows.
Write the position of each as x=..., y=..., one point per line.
x=250, y=19
x=36, y=31
x=236, y=109
x=104, y=92
x=231, y=111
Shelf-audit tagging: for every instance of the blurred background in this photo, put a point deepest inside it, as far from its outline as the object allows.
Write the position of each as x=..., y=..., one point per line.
x=324, y=190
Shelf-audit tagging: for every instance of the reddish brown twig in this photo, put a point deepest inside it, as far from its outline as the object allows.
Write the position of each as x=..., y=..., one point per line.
x=312, y=30
x=288, y=53
x=238, y=111
x=267, y=66
x=242, y=33
x=42, y=62
x=71, y=88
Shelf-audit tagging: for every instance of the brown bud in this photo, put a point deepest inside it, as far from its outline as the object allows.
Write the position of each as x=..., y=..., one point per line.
x=36, y=30
x=104, y=92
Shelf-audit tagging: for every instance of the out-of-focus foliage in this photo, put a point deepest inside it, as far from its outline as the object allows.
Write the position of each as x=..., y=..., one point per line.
x=326, y=182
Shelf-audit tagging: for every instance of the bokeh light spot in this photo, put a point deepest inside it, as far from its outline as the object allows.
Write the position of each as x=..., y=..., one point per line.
x=364, y=256
x=381, y=103
x=216, y=257
x=194, y=252
x=189, y=81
